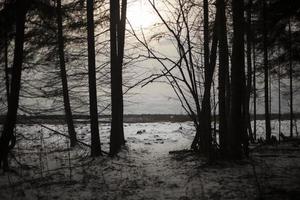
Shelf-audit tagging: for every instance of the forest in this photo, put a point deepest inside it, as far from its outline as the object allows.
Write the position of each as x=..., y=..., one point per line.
x=219, y=81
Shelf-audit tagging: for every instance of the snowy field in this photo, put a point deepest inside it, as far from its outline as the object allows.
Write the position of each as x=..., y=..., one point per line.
x=44, y=167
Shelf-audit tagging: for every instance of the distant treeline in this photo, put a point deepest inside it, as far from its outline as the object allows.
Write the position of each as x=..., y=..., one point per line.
x=132, y=118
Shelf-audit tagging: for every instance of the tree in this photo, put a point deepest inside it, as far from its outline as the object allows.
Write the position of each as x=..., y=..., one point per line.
x=205, y=136
x=6, y=41
x=95, y=139
x=249, y=69
x=7, y=139
x=254, y=89
x=117, y=39
x=291, y=76
x=63, y=73
x=273, y=35
x=236, y=126
x=223, y=73
x=266, y=72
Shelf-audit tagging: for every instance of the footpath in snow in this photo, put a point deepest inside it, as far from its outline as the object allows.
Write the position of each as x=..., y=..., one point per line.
x=44, y=167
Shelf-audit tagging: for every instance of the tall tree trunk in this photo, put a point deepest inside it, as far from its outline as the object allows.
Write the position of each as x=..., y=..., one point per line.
x=6, y=59
x=266, y=73
x=95, y=139
x=121, y=41
x=279, y=102
x=214, y=136
x=291, y=79
x=205, y=137
x=63, y=74
x=7, y=139
x=117, y=40
x=236, y=128
x=223, y=71
x=249, y=71
x=254, y=89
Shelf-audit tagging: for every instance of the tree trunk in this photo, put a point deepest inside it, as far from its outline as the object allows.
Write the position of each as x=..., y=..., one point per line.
x=214, y=134
x=279, y=102
x=8, y=139
x=236, y=129
x=117, y=50
x=266, y=73
x=63, y=73
x=223, y=71
x=121, y=41
x=95, y=139
x=6, y=62
x=117, y=40
x=249, y=72
x=203, y=137
x=291, y=79
x=254, y=89
x=115, y=107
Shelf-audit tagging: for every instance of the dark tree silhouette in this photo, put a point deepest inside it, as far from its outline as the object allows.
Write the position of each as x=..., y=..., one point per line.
x=95, y=139
x=8, y=138
x=223, y=73
x=249, y=69
x=236, y=126
x=117, y=39
x=63, y=73
x=291, y=76
x=205, y=136
x=266, y=72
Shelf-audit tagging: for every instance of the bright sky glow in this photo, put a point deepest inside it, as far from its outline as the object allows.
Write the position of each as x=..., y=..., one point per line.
x=140, y=14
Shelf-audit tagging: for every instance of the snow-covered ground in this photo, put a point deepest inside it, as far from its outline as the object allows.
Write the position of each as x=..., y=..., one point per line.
x=45, y=168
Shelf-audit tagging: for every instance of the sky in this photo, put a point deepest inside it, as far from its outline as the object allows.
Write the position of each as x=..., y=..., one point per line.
x=158, y=98
x=155, y=98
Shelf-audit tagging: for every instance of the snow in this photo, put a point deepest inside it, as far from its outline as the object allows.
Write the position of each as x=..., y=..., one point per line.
x=144, y=169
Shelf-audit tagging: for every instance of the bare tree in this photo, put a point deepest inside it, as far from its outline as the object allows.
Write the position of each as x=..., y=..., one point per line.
x=184, y=74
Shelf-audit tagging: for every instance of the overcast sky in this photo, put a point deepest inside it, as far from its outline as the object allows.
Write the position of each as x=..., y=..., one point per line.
x=159, y=98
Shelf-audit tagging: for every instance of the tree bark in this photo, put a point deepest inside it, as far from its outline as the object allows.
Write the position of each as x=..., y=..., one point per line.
x=236, y=128
x=266, y=73
x=63, y=74
x=249, y=72
x=6, y=58
x=291, y=80
x=203, y=137
x=223, y=71
x=117, y=40
x=279, y=102
x=8, y=139
x=95, y=139
x=254, y=89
